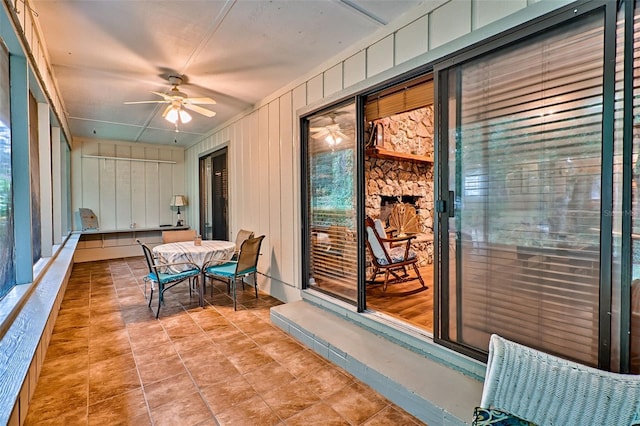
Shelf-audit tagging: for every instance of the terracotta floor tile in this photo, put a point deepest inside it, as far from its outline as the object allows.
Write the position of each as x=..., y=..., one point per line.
x=225, y=395
x=110, y=383
x=76, y=417
x=250, y=359
x=392, y=416
x=282, y=349
x=356, y=403
x=113, y=344
x=160, y=369
x=235, y=344
x=49, y=403
x=224, y=333
x=325, y=381
x=68, y=348
x=253, y=411
x=267, y=336
x=198, y=355
x=164, y=350
x=118, y=365
x=142, y=338
x=320, y=415
x=65, y=365
x=269, y=376
x=120, y=409
x=216, y=370
x=199, y=343
x=303, y=362
x=185, y=411
x=289, y=400
x=169, y=389
x=208, y=319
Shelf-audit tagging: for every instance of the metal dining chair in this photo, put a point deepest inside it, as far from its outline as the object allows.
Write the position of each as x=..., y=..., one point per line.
x=241, y=237
x=231, y=271
x=164, y=280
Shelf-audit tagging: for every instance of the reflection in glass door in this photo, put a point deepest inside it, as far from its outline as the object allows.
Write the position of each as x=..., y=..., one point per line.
x=331, y=202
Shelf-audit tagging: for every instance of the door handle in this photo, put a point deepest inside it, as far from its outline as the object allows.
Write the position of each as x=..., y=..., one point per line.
x=446, y=206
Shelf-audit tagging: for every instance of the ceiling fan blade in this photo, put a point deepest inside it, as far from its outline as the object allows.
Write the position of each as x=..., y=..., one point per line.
x=320, y=134
x=341, y=135
x=145, y=102
x=166, y=111
x=163, y=95
x=199, y=110
x=202, y=101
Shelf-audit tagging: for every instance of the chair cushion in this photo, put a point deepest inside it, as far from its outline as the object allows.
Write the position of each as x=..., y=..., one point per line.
x=376, y=248
x=381, y=232
x=496, y=417
x=227, y=270
x=168, y=278
x=397, y=255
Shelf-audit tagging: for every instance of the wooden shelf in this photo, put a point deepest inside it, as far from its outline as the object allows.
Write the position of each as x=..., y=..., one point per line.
x=401, y=156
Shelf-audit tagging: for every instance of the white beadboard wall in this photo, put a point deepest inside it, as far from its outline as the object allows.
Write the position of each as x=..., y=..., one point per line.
x=264, y=144
x=124, y=192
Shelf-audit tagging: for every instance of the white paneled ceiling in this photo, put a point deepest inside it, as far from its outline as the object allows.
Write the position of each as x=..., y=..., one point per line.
x=107, y=52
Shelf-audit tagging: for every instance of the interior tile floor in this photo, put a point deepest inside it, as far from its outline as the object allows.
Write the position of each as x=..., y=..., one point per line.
x=110, y=362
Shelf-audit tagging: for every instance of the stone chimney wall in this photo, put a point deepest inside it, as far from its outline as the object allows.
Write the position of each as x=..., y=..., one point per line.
x=411, y=133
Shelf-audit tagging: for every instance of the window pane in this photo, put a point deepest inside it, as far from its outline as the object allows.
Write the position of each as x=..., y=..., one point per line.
x=34, y=164
x=526, y=125
x=332, y=203
x=7, y=268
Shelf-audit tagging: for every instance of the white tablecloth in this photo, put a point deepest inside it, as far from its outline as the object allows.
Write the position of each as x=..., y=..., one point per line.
x=187, y=251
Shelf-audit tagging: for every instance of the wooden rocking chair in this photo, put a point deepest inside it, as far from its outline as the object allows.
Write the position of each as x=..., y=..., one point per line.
x=390, y=256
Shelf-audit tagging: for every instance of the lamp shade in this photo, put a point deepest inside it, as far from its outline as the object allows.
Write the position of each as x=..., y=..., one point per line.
x=177, y=114
x=178, y=201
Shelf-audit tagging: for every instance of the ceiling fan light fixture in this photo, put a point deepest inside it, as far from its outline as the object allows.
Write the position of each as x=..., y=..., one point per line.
x=333, y=139
x=177, y=114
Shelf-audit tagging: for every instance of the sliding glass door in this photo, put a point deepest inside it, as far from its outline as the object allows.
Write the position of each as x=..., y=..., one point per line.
x=331, y=223
x=523, y=141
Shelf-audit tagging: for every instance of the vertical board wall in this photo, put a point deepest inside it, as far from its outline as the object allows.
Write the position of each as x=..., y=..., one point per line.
x=127, y=191
x=264, y=144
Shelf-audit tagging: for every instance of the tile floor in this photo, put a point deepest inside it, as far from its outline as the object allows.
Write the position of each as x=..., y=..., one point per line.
x=110, y=362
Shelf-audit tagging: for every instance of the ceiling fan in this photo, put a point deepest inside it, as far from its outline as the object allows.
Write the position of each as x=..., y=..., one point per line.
x=178, y=100
x=332, y=133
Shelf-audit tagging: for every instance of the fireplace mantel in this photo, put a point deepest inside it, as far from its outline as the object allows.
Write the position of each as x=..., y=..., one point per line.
x=401, y=156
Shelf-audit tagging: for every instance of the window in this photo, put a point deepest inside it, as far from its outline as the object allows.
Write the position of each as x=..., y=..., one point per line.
x=331, y=202
x=34, y=165
x=524, y=128
x=7, y=267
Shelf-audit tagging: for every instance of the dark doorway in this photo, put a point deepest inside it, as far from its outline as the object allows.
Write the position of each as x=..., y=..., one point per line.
x=214, y=196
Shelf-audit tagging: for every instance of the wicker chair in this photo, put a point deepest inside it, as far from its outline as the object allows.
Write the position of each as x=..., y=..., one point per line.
x=548, y=390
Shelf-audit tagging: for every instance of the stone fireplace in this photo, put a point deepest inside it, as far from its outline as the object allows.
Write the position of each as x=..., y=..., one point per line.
x=394, y=178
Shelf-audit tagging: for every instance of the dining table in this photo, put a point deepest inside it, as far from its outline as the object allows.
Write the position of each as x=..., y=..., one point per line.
x=200, y=254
